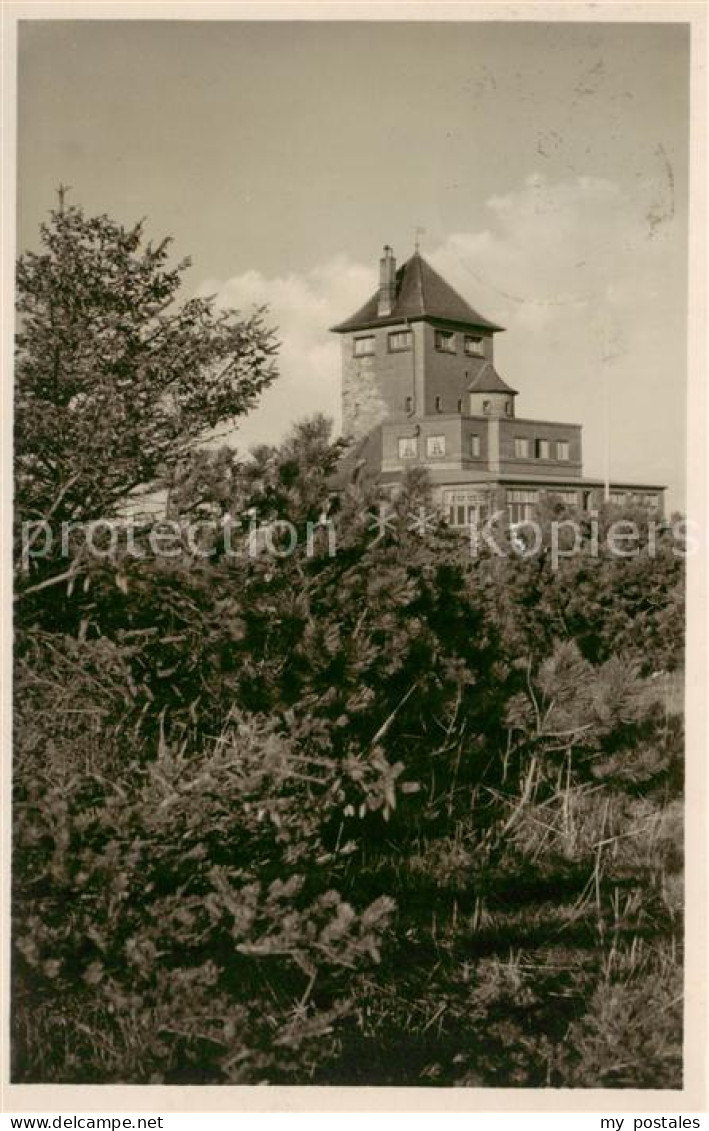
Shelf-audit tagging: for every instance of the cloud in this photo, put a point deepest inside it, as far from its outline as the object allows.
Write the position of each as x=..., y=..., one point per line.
x=302, y=308
x=588, y=282
x=555, y=249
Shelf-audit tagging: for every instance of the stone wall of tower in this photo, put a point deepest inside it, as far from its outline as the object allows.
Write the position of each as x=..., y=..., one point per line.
x=421, y=381
x=381, y=385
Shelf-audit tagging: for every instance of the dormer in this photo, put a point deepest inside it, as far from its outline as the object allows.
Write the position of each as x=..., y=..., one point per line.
x=489, y=395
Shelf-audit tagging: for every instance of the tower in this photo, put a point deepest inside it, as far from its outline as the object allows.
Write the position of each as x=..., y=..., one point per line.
x=420, y=388
x=415, y=348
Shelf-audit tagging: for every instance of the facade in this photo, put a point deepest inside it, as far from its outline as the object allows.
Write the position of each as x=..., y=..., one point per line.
x=420, y=389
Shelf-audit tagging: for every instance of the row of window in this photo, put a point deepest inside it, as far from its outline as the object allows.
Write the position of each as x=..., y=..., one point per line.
x=487, y=406
x=447, y=342
x=409, y=448
x=543, y=449
x=435, y=447
x=467, y=507
x=400, y=340
x=627, y=498
x=526, y=448
x=521, y=503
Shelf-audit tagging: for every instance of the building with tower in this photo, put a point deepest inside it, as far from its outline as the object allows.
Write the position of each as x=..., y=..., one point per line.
x=420, y=389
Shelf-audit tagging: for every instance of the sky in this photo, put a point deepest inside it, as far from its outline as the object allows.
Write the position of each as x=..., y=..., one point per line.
x=546, y=163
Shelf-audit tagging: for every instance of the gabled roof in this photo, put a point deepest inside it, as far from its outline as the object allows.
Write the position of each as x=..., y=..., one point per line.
x=488, y=380
x=420, y=293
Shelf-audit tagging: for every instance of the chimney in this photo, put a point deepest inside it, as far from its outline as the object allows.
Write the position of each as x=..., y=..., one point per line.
x=387, y=283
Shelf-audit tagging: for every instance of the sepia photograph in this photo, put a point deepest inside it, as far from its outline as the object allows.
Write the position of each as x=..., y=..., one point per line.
x=350, y=528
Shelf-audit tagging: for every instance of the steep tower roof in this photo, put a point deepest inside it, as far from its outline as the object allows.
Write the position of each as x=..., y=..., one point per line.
x=420, y=293
x=488, y=380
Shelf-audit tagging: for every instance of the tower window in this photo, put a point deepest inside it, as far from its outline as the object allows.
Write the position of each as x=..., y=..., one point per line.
x=445, y=341
x=408, y=447
x=475, y=445
x=473, y=346
x=399, y=341
x=460, y=406
x=409, y=404
x=487, y=407
x=439, y=404
x=508, y=408
x=363, y=347
x=435, y=446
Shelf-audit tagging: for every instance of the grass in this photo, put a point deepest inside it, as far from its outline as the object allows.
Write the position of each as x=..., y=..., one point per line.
x=537, y=942
x=544, y=951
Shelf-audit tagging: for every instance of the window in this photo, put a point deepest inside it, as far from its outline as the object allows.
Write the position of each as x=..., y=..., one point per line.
x=363, y=347
x=562, y=449
x=568, y=498
x=460, y=406
x=521, y=504
x=475, y=446
x=399, y=340
x=473, y=346
x=408, y=447
x=521, y=447
x=648, y=499
x=445, y=341
x=439, y=405
x=618, y=498
x=487, y=407
x=409, y=404
x=464, y=508
x=435, y=446
x=508, y=408
x=541, y=449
